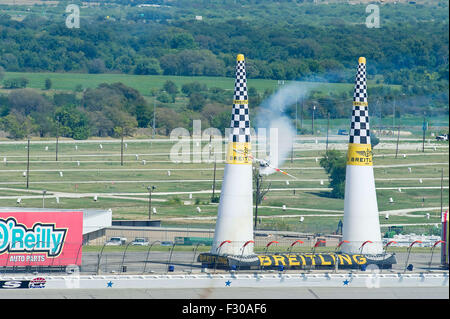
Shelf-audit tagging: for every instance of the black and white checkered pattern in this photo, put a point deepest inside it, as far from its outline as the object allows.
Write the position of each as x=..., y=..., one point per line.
x=360, y=130
x=240, y=121
x=360, y=93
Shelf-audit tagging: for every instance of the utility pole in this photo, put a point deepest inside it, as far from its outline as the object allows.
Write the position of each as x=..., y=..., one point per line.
x=424, y=128
x=214, y=183
x=301, y=115
x=328, y=128
x=260, y=192
x=154, y=119
x=43, y=198
x=312, y=124
x=296, y=117
x=121, y=148
x=28, y=162
x=57, y=137
x=393, y=117
x=442, y=186
x=398, y=139
x=150, y=189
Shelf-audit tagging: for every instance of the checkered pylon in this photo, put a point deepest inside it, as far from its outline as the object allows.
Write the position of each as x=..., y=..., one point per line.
x=240, y=121
x=359, y=131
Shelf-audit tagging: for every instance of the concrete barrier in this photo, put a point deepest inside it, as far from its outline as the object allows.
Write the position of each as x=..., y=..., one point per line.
x=251, y=280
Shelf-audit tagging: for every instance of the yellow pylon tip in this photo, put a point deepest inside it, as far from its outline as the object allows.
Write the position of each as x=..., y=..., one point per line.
x=362, y=60
x=240, y=57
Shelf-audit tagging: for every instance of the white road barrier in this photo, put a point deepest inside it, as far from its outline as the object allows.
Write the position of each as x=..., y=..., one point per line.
x=255, y=280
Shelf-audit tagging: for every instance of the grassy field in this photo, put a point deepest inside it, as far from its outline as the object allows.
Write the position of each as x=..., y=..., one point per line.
x=90, y=170
x=145, y=83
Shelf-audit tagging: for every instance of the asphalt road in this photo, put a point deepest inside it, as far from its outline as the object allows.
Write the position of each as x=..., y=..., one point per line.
x=232, y=293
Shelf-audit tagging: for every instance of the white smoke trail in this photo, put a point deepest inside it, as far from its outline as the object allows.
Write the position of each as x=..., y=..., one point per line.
x=273, y=117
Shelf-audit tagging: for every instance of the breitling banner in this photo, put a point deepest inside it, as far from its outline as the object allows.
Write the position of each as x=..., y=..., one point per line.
x=359, y=154
x=293, y=260
x=297, y=260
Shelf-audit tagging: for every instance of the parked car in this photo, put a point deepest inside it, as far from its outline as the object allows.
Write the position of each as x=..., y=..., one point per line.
x=342, y=132
x=167, y=243
x=116, y=241
x=139, y=241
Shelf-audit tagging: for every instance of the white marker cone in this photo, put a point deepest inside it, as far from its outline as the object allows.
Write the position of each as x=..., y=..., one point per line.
x=235, y=213
x=361, y=220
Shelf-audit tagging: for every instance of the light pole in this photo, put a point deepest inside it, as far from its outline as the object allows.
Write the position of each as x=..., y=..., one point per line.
x=442, y=187
x=57, y=137
x=328, y=128
x=154, y=119
x=150, y=189
x=121, y=147
x=43, y=198
x=393, y=117
x=213, y=197
x=301, y=115
x=296, y=117
x=28, y=162
x=398, y=140
x=424, y=129
x=312, y=123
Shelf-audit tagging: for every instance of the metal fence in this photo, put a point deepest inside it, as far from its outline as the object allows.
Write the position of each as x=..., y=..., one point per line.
x=162, y=257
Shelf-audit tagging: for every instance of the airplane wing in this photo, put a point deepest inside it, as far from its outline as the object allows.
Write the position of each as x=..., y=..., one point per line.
x=266, y=164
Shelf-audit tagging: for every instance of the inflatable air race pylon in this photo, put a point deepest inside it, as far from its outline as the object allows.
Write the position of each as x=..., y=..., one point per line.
x=361, y=219
x=234, y=219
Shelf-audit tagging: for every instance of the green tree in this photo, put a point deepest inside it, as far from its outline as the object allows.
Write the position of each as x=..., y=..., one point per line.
x=170, y=87
x=196, y=102
x=193, y=87
x=48, y=84
x=73, y=123
x=17, y=125
x=96, y=66
x=15, y=83
x=146, y=66
x=334, y=163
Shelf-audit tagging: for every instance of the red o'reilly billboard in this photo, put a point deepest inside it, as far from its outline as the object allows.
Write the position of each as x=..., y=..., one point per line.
x=41, y=238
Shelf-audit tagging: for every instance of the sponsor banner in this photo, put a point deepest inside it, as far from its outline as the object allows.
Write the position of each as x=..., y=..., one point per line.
x=293, y=260
x=240, y=102
x=298, y=260
x=359, y=154
x=41, y=238
x=14, y=284
x=38, y=282
x=211, y=259
x=238, y=153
